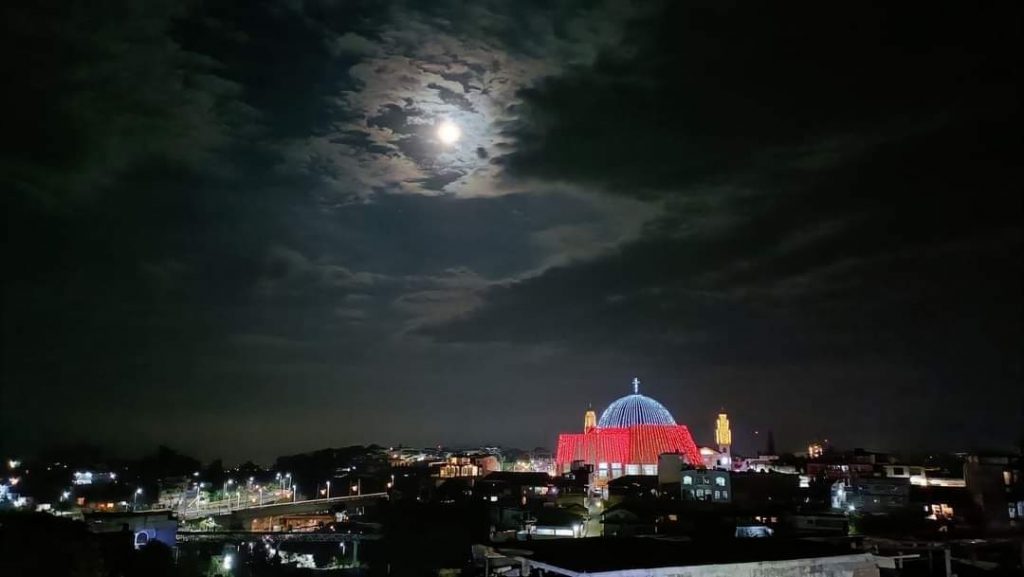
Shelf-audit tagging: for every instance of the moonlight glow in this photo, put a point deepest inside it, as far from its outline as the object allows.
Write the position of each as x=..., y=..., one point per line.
x=448, y=132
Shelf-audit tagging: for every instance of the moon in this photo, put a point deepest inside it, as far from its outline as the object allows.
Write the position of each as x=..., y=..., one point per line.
x=448, y=132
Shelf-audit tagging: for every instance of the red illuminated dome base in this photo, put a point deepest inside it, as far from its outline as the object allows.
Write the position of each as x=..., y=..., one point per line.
x=632, y=433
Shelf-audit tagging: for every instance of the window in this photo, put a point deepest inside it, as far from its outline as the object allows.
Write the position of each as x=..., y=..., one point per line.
x=718, y=495
x=687, y=480
x=720, y=481
x=897, y=471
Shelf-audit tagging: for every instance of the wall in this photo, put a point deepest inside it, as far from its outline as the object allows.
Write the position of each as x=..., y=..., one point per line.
x=859, y=565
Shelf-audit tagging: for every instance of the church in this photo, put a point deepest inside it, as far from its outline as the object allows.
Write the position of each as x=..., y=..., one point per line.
x=627, y=440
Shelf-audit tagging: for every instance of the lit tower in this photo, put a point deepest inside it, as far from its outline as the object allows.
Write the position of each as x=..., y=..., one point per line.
x=589, y=420
x=723, y=436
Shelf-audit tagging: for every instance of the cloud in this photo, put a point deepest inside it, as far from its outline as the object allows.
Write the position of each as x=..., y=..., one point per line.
x=805, y=205
x=209, y=198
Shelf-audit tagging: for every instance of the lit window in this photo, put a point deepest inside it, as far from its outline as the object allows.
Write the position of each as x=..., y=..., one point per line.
x=720, y=481
x=687, y=480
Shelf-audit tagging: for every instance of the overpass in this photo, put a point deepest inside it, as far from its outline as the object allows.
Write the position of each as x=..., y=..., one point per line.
x=239, y=537
x=247, y=511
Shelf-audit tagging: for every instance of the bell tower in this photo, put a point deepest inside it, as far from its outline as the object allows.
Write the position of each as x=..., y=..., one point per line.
x=589, y=420
x=723, y=435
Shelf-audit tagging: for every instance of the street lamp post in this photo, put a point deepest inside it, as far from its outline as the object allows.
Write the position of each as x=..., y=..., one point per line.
x=135, y=499
x=328, y=489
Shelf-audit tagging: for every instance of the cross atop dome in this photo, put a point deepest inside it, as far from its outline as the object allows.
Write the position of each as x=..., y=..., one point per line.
x=636, y=386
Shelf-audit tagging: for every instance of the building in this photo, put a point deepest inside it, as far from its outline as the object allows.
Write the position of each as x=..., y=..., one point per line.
x=458, y=467
x=144, y=527
x=923, y=476
x=632, y=487
x=501, y=486
x=871, y=494
x=996, y=483
x=670, y=467
x=716, y=459
x=630, y=520
x=746, y=489
x=627, y=440
x=710, y=485
x=555, y=523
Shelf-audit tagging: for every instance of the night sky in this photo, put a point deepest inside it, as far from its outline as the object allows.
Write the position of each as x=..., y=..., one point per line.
x=231, y=227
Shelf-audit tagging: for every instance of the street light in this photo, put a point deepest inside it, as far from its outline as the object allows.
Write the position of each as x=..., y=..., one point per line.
x=138, y=491
x=328, y=489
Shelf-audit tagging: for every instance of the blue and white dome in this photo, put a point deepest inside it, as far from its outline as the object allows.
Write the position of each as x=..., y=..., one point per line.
x=635, y=409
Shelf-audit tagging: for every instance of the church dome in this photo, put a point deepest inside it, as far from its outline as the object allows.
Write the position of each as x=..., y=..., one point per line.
x=635, y=409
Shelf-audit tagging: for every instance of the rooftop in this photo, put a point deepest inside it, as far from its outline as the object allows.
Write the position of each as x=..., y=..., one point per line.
x=617, y=554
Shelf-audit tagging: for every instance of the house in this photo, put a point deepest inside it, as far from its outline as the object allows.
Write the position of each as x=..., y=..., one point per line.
x=629, y=519
x=632, y=487
x=555, y=522
x=521, y=487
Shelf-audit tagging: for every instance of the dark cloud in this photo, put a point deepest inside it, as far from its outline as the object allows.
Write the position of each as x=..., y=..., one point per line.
x=839, y=186
x=449, y=96
x=230, y=226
